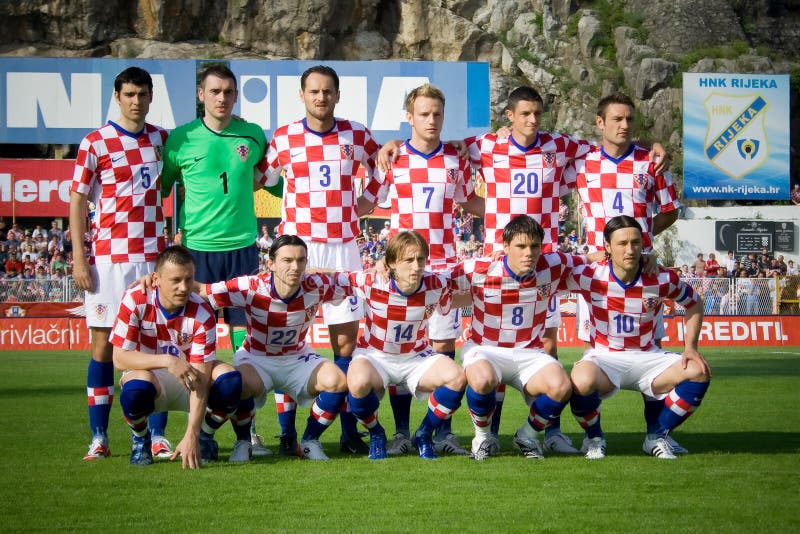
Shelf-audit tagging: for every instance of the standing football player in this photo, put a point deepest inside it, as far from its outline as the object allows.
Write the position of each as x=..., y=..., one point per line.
x=320, y=156
x=218, y=161
x=116, y=180
x=620, y=178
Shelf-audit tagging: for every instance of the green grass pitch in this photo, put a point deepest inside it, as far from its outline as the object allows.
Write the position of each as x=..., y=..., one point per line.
x=743, y=473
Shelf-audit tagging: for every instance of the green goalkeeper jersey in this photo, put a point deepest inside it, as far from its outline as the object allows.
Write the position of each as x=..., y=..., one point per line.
x=218, y=172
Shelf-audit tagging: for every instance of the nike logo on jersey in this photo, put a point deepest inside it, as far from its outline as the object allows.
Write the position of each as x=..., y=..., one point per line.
x=114, y=160
x=199, y=158
x=499, y=160
x=297, y=153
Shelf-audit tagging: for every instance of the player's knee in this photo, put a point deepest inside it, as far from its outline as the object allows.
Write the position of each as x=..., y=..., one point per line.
x=560, y=389
x=696, y=373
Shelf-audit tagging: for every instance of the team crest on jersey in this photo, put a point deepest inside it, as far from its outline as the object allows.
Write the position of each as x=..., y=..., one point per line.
x=100, y=310
x=429, y=310
x=641, y=181
x=651, y=303
x=549, y=159
x=544, y=292
x=452, y=175
x=243, y=151
x=185, y=338
x=347, y=151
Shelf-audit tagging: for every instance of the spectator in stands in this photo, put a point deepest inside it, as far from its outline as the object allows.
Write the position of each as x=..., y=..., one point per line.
x=15, y=234
x=27, y=263
x=13, y=265
x=684, y=271
x=39, y=231
x=58, y=263
x=377, y=251
x=711, y=266
x=729, y=263
x=27, y=248
x=40, y=245
x=479, y=235
x=178, y=239
x=54, y=246
x=692, y=271
x=471, y=245
x=383, y=237
x=774, y=268
x=55, y=231
x=791, y=268
x=782, y=264
x=764, y=263
x=563, y=215
x=41, y=274
x=465, y=225
x=750, y=264
x=27, y=274
x=167, y=238
x=699, y=266
x=794, y=196
x=264, y=241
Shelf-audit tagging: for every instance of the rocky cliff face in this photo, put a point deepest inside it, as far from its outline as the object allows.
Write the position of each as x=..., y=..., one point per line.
x=572, y=51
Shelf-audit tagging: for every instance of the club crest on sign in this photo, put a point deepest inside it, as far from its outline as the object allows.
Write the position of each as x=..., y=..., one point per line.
x=736, y=138
x=243, y=151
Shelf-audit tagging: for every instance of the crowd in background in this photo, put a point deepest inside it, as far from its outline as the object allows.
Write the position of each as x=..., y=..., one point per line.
x=729, y=285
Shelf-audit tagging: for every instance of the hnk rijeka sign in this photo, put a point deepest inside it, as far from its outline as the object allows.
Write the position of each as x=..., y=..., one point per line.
x=45, y=100
x=736, y=136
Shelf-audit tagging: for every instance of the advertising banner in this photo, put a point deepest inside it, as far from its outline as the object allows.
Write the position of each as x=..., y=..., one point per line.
x=736, y=136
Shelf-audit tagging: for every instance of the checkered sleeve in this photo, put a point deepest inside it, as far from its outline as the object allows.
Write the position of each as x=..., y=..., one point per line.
x=665, y=193
x=679, y=291
x=125, y=332
x=230, y=293
x=85, y=168
x=271, y=163
x=204, y=333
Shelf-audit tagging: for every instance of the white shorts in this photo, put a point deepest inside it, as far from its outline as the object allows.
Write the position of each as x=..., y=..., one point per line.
x=584, y=325
x=553, y=319
x=632, y=369
x=512, y=366
x=444, y=327
x=405, y=369
x=289, y=373
x=174, y=396
x=339, y=256
x=112, y=279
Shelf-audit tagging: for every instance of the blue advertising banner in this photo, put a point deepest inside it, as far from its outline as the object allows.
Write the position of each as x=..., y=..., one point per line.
x=46, y=100
x=736, y=136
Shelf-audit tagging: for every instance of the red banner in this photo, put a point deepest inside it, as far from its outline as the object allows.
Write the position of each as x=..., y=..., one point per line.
x=39, y=188
x=63, y=333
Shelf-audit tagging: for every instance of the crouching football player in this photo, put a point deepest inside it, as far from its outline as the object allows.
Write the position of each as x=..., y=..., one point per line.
x=623, y=303
x=280, y=306
x=164, y=340
x=394, y=347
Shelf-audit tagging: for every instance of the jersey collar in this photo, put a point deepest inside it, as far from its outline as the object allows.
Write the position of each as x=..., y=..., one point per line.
x=126, y=132
x=524, y=148
x=321, y=134
x=422, y=154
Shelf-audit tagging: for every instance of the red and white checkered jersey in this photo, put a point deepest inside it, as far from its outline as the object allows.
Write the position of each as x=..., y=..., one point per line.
x=524, y=181
x=509, y=311
x=627, y=185
x=623, y=315
x=276, y=326
x=426, y=187
x=397, y=323
x=143, y=325
x=120, y=173
x=320, y=180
